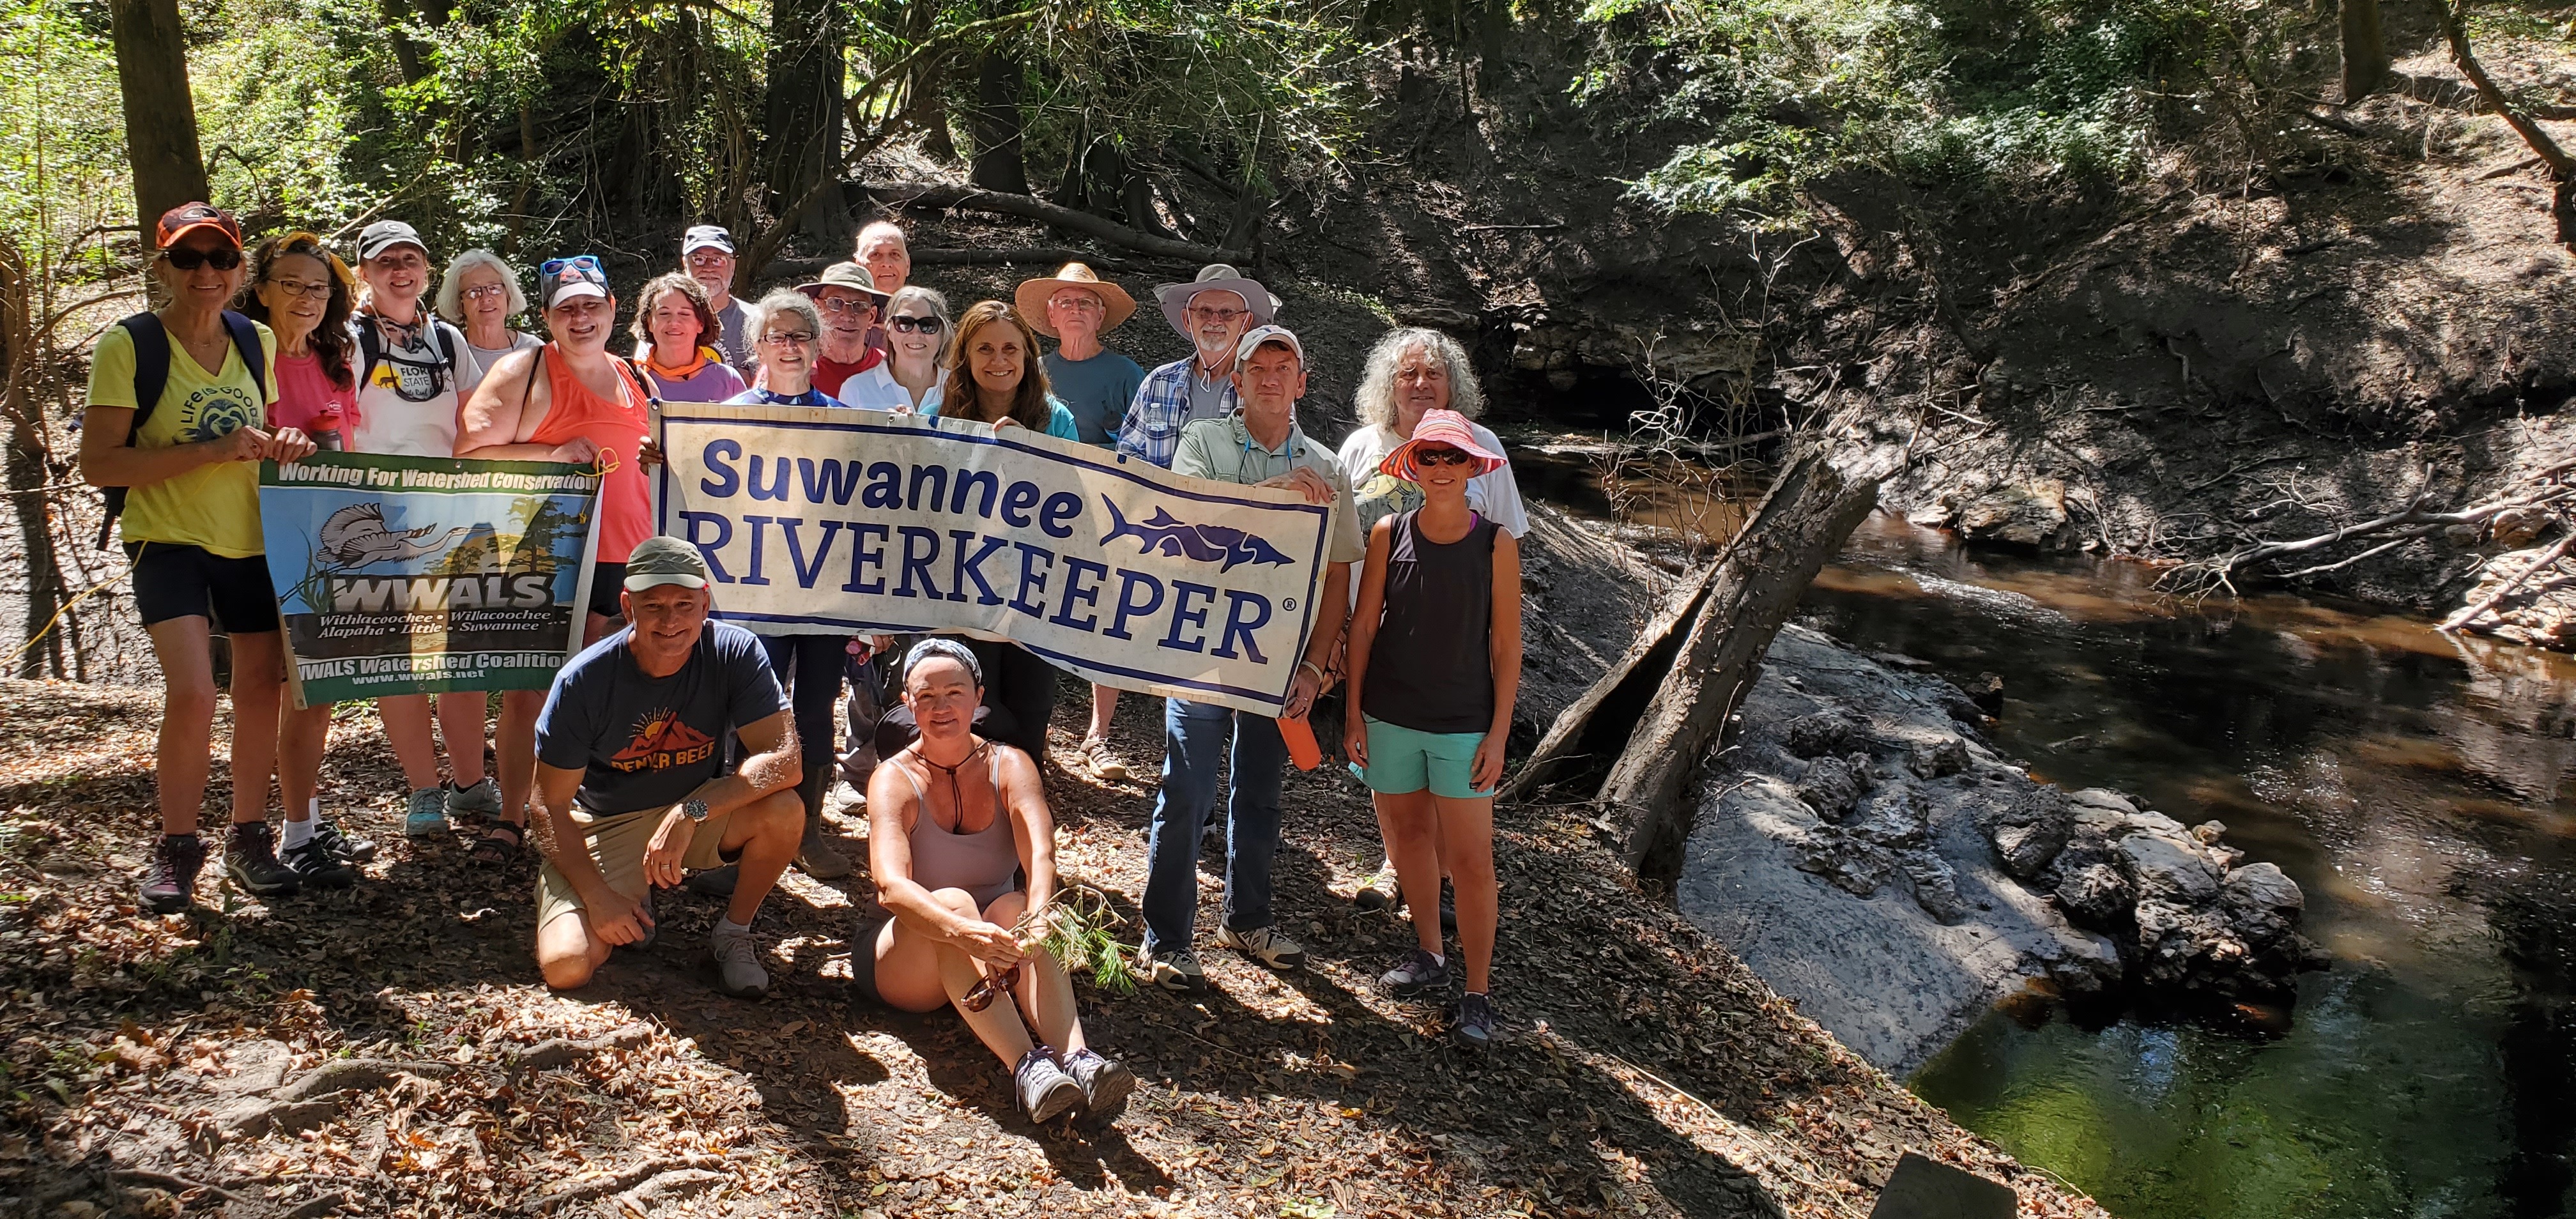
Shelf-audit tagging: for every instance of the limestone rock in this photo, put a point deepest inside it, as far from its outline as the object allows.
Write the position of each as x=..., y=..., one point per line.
x=1833, y=785
x=2104, y=798
x=2164, y=869
x=1936, y=886
x=2186, y=948
x=1824, y=732
x=2029, y=514
x=1938, y=758
x=2096, y=895
x=1892, y=816
x=2027, y=850
x=2088, y=962
x=2264, y=905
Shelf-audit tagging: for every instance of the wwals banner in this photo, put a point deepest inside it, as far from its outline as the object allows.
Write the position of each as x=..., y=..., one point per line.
x=815, y=519
x=402, y=575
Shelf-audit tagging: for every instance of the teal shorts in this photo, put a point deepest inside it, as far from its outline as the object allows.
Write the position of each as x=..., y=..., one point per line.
x=1403, y=761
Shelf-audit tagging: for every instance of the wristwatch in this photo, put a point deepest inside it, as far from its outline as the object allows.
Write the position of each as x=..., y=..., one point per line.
x=695, y=809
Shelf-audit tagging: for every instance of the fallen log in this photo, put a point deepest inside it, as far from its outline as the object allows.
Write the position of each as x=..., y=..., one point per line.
x=794, y=270
x=1025, y=207
x=1738, y=605
x=1579, y=731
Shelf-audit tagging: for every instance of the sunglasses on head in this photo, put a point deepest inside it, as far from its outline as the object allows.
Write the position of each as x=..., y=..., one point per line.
x=910, y=325
x=1442, y=456
x=553, y=265
x=186, y=258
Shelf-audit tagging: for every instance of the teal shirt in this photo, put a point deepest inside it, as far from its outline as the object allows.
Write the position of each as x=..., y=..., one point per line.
x=1097, y=390
x=1059, y=420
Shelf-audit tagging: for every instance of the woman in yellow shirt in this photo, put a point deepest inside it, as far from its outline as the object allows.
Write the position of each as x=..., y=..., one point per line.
x=191, y=527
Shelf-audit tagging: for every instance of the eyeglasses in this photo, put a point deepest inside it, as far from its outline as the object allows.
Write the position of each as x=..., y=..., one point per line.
x=913, y=325
x=188, y=258
x=485, y=292
x=1216, y=315
x=300, y=288
x=709, y=258
x=1077, y=302
x=1443, y=456
x=784, y=338
x=552, y=265
x=839, y=304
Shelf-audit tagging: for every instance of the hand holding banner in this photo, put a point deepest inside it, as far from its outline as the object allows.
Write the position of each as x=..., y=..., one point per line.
x=816, y=520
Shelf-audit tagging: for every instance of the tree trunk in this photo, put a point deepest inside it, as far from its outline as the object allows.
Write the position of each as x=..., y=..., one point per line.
x=160, y=112
x=805, y=81
x=407, y=58
x=2365, y=52
x=996, y=124
x=932, y=195
x=23, y=463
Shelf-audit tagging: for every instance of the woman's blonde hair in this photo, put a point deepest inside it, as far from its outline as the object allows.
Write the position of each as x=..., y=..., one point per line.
x=451, y=291
x=1375, y=401
x=1030, y=407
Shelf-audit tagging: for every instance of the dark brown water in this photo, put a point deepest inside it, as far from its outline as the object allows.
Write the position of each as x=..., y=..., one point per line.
x=2418, y=787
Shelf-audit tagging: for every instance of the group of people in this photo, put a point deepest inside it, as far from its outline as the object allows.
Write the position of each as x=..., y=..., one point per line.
x=678, y=748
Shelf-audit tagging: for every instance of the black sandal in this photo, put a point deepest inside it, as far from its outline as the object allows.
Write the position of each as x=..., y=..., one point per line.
x=493, y=849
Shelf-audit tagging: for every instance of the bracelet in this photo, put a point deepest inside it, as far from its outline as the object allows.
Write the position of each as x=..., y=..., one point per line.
x=1314, y=668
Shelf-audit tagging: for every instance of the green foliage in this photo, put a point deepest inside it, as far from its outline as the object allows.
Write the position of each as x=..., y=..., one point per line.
x=62, y=137
x=2008, y=94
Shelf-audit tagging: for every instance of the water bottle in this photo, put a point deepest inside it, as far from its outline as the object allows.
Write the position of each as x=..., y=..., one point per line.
x=326, y=431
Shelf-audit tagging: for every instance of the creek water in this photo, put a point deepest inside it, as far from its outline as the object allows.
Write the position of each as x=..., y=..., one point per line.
x=2417, y=787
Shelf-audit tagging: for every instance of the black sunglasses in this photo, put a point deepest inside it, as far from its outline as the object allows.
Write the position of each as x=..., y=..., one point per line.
x=188, y=259
x=909, y=325
x=1428, y=456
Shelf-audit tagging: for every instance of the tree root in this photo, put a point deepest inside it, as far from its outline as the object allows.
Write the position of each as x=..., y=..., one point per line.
x=175, y=1184
x=316, y=1096
x=2548, y=559
x=560, y=1051
x=635, y=1181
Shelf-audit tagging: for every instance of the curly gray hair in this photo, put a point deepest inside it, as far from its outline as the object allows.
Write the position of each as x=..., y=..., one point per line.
x=1375, y=401
x=451, y=304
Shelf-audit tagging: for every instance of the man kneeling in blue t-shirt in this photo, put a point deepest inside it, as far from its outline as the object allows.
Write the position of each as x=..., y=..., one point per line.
x=630, y=765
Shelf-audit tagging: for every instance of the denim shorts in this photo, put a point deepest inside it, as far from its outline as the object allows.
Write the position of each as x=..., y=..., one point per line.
x=1402, y=761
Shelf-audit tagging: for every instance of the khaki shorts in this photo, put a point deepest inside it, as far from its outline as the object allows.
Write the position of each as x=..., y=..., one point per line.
x=617, y=844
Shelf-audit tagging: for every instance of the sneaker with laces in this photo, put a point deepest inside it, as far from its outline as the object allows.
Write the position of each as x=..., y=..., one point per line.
x=1173, y=969
x=250, y=858
x=1474, y=1028
x=1045, y=1091
x=315, y=864
x=355, y=850
x=170, y=880
x=737, y=960
x=1105, y=1084
x=479, y=802
x=1416, y=973
x=425, y=814
x=1264, y=944
x=1379, y=890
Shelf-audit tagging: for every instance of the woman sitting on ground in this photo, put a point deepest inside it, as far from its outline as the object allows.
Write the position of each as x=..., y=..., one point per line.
x=675, y=340
x=994, y=372
x=954, y=821
x=1442, y=590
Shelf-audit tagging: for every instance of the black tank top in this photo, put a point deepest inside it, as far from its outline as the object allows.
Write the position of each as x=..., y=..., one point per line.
x=1431, y=668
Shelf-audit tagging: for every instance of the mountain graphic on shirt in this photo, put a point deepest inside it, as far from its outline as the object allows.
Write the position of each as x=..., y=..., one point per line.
x=660, y=741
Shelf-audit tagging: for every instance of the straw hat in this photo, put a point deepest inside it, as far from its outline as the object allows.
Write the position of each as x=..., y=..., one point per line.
x=1031, y=297
x=1440, y=427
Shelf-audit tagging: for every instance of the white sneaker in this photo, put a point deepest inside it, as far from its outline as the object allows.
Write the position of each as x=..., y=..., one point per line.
x=1264, y=944
x=738, y=970
x=1174, y=969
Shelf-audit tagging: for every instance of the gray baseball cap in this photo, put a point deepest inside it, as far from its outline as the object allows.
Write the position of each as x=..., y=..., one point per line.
x=657, y=561
x=384, y=235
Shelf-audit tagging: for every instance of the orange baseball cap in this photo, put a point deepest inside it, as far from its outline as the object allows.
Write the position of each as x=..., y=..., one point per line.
x=187, y=218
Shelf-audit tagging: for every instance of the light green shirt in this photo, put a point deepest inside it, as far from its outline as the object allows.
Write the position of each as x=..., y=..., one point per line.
x=1224, y=450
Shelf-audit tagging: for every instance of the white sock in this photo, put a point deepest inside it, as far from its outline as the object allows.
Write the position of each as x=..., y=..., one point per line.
x=1440, y=959
x=313, y=807
x=726, y=926
x=298, y=833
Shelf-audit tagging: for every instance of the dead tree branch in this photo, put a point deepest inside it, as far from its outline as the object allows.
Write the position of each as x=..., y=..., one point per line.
x=2548, y=559
x=968, y=198
x=2454, y=18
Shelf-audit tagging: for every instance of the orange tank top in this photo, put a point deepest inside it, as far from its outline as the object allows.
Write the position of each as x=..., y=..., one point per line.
x=617, y=428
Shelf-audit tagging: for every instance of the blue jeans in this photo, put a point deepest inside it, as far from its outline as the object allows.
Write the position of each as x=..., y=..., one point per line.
x=1192, y=735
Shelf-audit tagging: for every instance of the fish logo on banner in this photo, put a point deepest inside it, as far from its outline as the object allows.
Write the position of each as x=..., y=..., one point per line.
x=1166, y=535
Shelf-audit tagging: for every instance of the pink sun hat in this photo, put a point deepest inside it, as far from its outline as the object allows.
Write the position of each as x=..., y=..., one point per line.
x=1440, y=427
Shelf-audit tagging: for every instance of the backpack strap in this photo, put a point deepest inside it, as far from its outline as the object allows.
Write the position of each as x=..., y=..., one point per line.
x=151, y=376
x=254, y=355
x=371, y=348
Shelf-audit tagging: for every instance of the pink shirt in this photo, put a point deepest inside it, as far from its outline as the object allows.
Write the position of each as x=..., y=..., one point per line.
x=307, y=399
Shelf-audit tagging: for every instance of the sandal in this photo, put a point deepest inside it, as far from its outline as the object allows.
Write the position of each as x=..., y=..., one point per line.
x=500, y=845
x=1103, y=764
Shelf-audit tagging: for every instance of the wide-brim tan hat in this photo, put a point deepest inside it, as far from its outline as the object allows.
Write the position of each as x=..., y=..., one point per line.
x=1216, y=277
x=848, y=275
x=1032, y=294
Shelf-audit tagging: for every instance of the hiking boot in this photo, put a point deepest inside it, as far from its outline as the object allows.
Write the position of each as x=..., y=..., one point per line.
x=425, y=815
x=818, y=857
x=738, y=971
x=170, y=880
x=712, y=882
x=1176, y=969
x=315, y=864
x=1105, y=1085
x=1416, y=973
x=355, y=850
x=1045, y=1091
x=1379, y=890
x=1264, y=944
x=480, y=802
x=251, y=860
x=1475, y=1025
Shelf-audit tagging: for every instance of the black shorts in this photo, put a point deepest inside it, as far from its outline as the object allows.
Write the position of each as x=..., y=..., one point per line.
x=606, y=581
x=174, y=581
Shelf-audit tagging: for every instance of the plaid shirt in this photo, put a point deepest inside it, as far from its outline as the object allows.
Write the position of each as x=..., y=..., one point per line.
x=1152, y=428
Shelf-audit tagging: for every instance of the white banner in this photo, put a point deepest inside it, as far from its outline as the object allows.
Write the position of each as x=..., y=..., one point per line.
x=816, y=520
